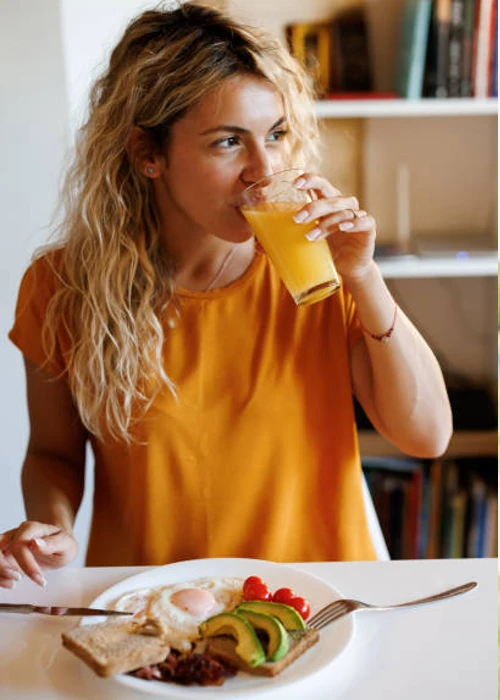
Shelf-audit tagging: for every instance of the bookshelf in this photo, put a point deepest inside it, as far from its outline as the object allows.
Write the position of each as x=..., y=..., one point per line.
x=415, y=267
x=438, y=158
x=363, y=109
x=464, y=443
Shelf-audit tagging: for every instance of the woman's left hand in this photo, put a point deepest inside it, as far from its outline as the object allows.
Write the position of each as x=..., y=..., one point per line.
x=350, y=232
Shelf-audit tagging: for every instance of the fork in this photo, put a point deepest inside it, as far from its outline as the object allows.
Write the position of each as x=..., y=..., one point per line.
x=339, y=608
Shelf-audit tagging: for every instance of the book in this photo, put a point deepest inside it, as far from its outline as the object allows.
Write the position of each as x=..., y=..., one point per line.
x=415, y=25
x=457, y=537
x=491, y=534
x=467, y=47
x=493, y=59
x=435, y=506
x=476, y=517
x=436, y=66
x=455, y=48
x=395, y=485
x=310, y=43
x=350, y=56
x=482, y=47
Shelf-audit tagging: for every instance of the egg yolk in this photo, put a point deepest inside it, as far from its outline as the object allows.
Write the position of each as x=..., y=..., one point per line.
x=195, y=601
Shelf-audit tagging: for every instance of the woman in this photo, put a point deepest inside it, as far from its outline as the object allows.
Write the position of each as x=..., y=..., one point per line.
x=219, y=413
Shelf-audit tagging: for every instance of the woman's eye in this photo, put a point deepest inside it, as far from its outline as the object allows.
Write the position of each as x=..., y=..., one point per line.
x=227, y=142
x=278, y=135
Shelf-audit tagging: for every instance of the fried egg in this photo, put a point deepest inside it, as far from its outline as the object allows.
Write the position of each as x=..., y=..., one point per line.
x=181, y=607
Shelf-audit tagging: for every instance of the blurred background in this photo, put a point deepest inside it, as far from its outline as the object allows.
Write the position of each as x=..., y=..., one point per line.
x=406, y=126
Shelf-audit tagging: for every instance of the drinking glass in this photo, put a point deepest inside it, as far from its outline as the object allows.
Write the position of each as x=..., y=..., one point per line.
x=306, y=267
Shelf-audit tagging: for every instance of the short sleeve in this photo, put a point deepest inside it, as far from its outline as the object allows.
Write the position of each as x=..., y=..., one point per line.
x=353, y=325
x=37, y=287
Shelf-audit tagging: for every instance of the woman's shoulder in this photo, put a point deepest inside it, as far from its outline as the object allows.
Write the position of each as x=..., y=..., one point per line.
x=45, y=266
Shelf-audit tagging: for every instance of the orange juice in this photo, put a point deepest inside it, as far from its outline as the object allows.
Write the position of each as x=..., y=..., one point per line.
x=306, y=267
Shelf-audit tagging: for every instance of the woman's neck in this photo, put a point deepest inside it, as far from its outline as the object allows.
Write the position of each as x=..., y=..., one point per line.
x=202, y=261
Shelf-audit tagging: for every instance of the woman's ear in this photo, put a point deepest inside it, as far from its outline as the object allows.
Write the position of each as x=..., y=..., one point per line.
x=142, y=153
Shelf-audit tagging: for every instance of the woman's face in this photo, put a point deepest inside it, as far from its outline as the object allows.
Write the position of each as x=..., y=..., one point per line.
x=233, y=137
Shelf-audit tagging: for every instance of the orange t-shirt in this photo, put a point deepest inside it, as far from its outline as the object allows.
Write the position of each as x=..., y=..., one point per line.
x=259, y=455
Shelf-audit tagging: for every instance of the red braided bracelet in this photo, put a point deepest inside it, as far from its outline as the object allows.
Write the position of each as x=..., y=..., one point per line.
x=383, y=337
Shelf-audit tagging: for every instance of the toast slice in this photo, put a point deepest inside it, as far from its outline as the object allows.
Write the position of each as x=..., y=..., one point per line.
x=223, y=648
x=113, y=647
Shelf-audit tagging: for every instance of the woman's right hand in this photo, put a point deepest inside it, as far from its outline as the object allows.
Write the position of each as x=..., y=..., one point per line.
x=32, y=547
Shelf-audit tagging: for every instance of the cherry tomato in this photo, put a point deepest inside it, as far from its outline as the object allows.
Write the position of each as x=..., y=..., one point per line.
x=254, y=588
x=283, y=595
x=301, y=606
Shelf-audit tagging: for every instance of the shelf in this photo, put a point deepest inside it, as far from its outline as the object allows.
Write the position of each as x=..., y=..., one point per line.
x=414, y=267
x=464, y=443
x=431, y=107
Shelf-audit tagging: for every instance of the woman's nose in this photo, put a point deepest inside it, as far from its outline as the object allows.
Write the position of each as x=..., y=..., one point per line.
x=260, y=164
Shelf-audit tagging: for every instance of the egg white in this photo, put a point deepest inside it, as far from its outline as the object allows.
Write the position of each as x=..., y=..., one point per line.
x=180, y=627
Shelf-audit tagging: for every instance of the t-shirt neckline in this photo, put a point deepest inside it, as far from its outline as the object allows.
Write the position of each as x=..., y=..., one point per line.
x=229, y=288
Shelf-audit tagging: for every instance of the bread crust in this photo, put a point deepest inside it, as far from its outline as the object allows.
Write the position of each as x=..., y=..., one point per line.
x=223, y=648
x=110, y=647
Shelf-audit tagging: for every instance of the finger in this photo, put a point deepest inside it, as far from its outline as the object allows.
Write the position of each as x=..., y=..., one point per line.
x=27, y=531
x=331, y=222
x=10, y=574
x=364, y=225
x=53, y=547
x=324, y=207
x=8, y=562
x=7, y=583
x=5, y=537
x=320, y=185
x=28, y=563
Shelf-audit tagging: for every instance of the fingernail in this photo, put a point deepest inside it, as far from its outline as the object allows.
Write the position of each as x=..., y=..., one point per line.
x=12, y=573
x=40, y=580
x=346, y=226
x=7, y=584
x=301, y=182
x=39, y=542
x=313, y=234
x=300, y=216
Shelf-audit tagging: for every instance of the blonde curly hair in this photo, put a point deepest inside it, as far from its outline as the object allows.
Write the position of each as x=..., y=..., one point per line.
x=114, y=282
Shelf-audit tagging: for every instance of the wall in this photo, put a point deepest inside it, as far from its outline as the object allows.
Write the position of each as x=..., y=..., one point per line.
x=50, y=51
x=33, y=137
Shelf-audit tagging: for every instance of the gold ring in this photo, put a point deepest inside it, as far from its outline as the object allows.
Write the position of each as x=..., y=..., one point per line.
x=358, y=214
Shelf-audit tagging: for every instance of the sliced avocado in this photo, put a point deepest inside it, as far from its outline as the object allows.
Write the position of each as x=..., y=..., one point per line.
x=248, y=646
x=287, y=615
x=277, y=646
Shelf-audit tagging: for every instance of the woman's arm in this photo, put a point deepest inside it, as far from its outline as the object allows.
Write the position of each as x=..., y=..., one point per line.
x=398, y=382
x=52, y=480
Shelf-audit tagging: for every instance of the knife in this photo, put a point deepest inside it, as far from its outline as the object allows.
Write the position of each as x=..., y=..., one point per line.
x=26, y=609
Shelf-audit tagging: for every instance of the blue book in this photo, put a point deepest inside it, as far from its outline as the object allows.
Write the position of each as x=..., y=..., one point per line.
x=494, y=67
x=415, y=26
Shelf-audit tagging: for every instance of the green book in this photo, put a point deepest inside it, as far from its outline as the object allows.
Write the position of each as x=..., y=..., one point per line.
x=415, y=25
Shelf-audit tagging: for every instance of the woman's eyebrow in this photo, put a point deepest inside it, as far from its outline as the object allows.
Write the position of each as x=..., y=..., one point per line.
x=239, y=129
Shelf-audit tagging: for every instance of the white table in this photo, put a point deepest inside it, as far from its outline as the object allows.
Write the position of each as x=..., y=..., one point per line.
x=435, y=652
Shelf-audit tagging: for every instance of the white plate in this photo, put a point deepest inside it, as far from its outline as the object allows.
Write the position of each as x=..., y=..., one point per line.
x=334, y=638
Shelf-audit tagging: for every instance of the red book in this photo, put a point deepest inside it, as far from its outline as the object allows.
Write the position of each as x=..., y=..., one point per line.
x=482, y=48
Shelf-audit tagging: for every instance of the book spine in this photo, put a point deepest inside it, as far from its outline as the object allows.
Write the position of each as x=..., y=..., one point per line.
x=467, y=48
x=436, y=69
x=482, y=42
x=413, y=47
x=455, y=48
x=492, y=78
